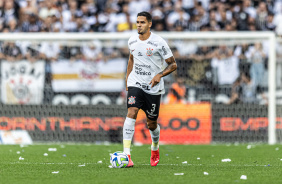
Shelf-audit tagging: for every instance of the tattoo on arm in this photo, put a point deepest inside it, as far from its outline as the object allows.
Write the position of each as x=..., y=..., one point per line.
x=170, y=68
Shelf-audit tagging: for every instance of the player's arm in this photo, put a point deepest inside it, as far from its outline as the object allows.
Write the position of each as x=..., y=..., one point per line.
x=129, y=69
x=170, y=68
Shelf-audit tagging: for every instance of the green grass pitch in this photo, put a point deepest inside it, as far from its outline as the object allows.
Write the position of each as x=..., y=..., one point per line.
x=260, y=163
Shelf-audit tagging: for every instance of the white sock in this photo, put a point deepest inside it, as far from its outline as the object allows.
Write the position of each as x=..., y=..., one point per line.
x=128, y=132
x=155, y=135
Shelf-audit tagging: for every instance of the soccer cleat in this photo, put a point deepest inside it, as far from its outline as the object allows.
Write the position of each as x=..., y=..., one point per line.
x=155, y=157
x=130, y=163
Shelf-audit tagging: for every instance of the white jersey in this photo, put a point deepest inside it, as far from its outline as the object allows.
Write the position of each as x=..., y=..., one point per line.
x=149, y=60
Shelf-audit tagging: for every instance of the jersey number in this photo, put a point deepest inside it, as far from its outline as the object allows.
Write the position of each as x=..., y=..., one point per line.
x=153, y=108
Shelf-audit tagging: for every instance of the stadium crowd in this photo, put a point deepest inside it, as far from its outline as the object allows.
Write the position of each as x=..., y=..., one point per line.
x=210, y=67
x=120, y=15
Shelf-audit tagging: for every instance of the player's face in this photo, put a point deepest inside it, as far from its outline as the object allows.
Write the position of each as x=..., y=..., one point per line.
x=143, y=25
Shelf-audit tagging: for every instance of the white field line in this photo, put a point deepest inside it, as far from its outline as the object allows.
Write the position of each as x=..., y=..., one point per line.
x=61, y=163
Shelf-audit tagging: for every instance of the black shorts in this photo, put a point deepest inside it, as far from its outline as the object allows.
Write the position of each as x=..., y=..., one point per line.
x=150, y=104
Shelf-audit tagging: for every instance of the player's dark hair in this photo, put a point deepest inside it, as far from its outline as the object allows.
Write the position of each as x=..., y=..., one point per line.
x=145, y=14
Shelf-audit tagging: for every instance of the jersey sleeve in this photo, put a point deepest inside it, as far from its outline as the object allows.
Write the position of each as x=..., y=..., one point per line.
x=164, y=50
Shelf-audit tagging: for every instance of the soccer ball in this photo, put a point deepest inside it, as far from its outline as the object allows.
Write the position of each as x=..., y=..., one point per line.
x=119, y=159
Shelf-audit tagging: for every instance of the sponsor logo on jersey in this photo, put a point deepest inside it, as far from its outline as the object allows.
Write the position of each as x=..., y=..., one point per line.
x=149, y=52
x=131, y=100
x=132, y=42
x=164, y=50
x=140, y=71
x=140, y=54
x=151, y=43
x=143, y=65
x=143, y=85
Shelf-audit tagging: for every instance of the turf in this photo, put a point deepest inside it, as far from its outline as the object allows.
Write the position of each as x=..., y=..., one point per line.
x=260, y=163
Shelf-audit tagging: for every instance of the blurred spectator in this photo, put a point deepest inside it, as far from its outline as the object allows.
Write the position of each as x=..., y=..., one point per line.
x=270, y=23
x=100, y=20
x=70, y=52
x=121, y=21
x=261, y=17
x=243, y=53
x=49, y=51
x=242, y=19
x=226, y=66
x=80, y=25
x=92, y=51
x=138, y=6
x=257, y=64
x=126, y=26
x=248, y=8
x=235, y=91
x=199, y=70
x=47, y=9
x=194, y=23
x=244, y=90
x=11, y=10
x=11, y=51
x=32, y=24
x=12, y=25
x=159, y=23
x=177, y=14
x=29, y=8
x=177, y=92
x=32, y=54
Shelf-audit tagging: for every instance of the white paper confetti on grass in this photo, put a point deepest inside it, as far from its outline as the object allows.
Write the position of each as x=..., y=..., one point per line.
x=198, y=158
x=226, y=160
x=277, y=149
x=62, y=146
x=138, y=144
x=281, y=159
x=178, y=174
x=52, y=149
x=249, y=146
x=177, y=157
x=18, y=152
x=45, y=154
x=55, y=172
x=21, y=158
x=185, y=162
x=243, y=177
x=99, y=162
x=206, y=173
x=81, y=165
x=110, y=166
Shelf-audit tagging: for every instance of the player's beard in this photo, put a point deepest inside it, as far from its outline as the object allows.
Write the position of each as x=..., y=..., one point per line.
x=143, y=31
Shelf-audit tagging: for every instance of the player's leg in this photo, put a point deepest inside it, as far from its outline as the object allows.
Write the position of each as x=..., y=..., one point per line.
x=154, y=129
x=134, y=102
x=128, y=131
x=151, y=109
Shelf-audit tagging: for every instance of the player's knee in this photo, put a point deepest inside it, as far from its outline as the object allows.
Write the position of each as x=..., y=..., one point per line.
x=152, y=125
x=132, y=112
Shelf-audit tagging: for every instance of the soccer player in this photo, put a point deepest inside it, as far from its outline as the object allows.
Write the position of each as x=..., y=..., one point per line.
x=149, y=54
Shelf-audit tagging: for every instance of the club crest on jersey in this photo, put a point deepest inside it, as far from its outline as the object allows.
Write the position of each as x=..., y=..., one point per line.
x=131, y=100
x=149, y=52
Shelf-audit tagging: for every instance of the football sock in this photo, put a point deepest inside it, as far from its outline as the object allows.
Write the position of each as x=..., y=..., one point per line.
x=128, y=132
x=155, y=135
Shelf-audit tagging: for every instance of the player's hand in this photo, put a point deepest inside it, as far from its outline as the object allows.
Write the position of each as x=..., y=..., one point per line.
x=156, y=80
x=126, y=88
